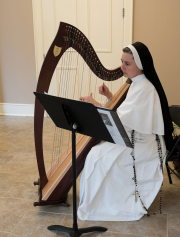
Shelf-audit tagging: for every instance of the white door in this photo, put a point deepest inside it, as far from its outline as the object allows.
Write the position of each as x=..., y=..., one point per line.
x=102, y=22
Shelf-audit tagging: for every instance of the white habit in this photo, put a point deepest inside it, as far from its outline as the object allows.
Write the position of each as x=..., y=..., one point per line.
x=107, y=187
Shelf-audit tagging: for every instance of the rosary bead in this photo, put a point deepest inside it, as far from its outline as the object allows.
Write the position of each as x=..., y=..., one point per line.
x=161, y=165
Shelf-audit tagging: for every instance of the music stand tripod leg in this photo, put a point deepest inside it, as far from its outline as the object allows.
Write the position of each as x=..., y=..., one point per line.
x=75, y=232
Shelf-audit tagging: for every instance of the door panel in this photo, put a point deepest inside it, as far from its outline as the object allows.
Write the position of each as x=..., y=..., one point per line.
x=102, y=23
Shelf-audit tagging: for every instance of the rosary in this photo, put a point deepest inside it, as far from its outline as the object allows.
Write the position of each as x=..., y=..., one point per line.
x=135, y=179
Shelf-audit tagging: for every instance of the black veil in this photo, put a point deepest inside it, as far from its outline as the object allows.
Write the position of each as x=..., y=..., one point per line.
x=151, y=75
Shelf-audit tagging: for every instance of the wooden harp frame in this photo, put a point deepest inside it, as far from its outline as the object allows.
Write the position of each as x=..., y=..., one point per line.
x=78, y=41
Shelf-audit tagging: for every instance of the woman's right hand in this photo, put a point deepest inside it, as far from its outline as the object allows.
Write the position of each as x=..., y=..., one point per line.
x=104, y=90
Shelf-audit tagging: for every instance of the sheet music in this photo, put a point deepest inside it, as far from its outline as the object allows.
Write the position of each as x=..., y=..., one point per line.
x=111, y=126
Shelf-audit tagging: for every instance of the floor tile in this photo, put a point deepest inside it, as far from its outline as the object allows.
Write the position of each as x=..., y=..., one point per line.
x=115, y=226
x=11, y=212
x=35, y=224
x=68, y=222
x=116, y=234
x=174, y=225
x=150, y=226
x=3, y=234
x=4, y=159
x=20, y=164
x=22, y=190
x=6, y=182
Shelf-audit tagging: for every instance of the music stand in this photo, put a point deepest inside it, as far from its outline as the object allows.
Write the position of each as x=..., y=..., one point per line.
x=83, y=118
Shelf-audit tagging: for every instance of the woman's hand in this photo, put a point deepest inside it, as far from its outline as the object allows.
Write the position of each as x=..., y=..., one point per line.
x=104, y=90
x=90, y=99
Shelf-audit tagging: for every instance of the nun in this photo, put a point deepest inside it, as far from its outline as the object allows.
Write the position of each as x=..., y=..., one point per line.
x=120, y=183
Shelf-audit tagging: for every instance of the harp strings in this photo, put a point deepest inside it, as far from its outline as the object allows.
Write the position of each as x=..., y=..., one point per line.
x=67, y=91
x=72, y=69
x=67, y=86
x=64, y=83
x=58, y=133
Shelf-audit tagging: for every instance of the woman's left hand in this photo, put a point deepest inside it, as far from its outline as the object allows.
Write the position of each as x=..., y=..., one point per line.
x=90, y=99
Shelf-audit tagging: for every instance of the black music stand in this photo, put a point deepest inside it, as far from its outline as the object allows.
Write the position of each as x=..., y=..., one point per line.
x=83, y=118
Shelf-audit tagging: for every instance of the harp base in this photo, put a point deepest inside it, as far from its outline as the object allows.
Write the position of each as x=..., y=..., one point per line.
x=46, y=203
x=78, y=232
x=52, y=202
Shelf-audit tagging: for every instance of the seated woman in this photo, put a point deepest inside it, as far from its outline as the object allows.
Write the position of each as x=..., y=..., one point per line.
x=119, y=183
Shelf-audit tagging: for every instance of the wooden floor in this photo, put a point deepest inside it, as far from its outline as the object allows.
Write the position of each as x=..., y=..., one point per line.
x=18, y=171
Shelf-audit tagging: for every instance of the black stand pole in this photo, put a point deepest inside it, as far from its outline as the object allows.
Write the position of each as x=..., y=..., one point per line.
x=75, y=232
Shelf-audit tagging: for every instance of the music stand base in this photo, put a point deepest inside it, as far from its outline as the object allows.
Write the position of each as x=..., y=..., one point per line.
x=78, y=232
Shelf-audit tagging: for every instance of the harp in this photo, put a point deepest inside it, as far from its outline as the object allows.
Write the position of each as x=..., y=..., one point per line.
x=54, y=185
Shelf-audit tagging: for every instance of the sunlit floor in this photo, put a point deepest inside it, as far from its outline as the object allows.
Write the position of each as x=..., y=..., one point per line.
x=18, y=171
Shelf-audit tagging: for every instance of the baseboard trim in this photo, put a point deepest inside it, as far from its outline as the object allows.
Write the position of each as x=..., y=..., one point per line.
x=21, y=109
x=16, y=109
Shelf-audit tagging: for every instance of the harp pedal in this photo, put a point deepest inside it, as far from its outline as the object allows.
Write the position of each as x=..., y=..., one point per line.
x=36, y=183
